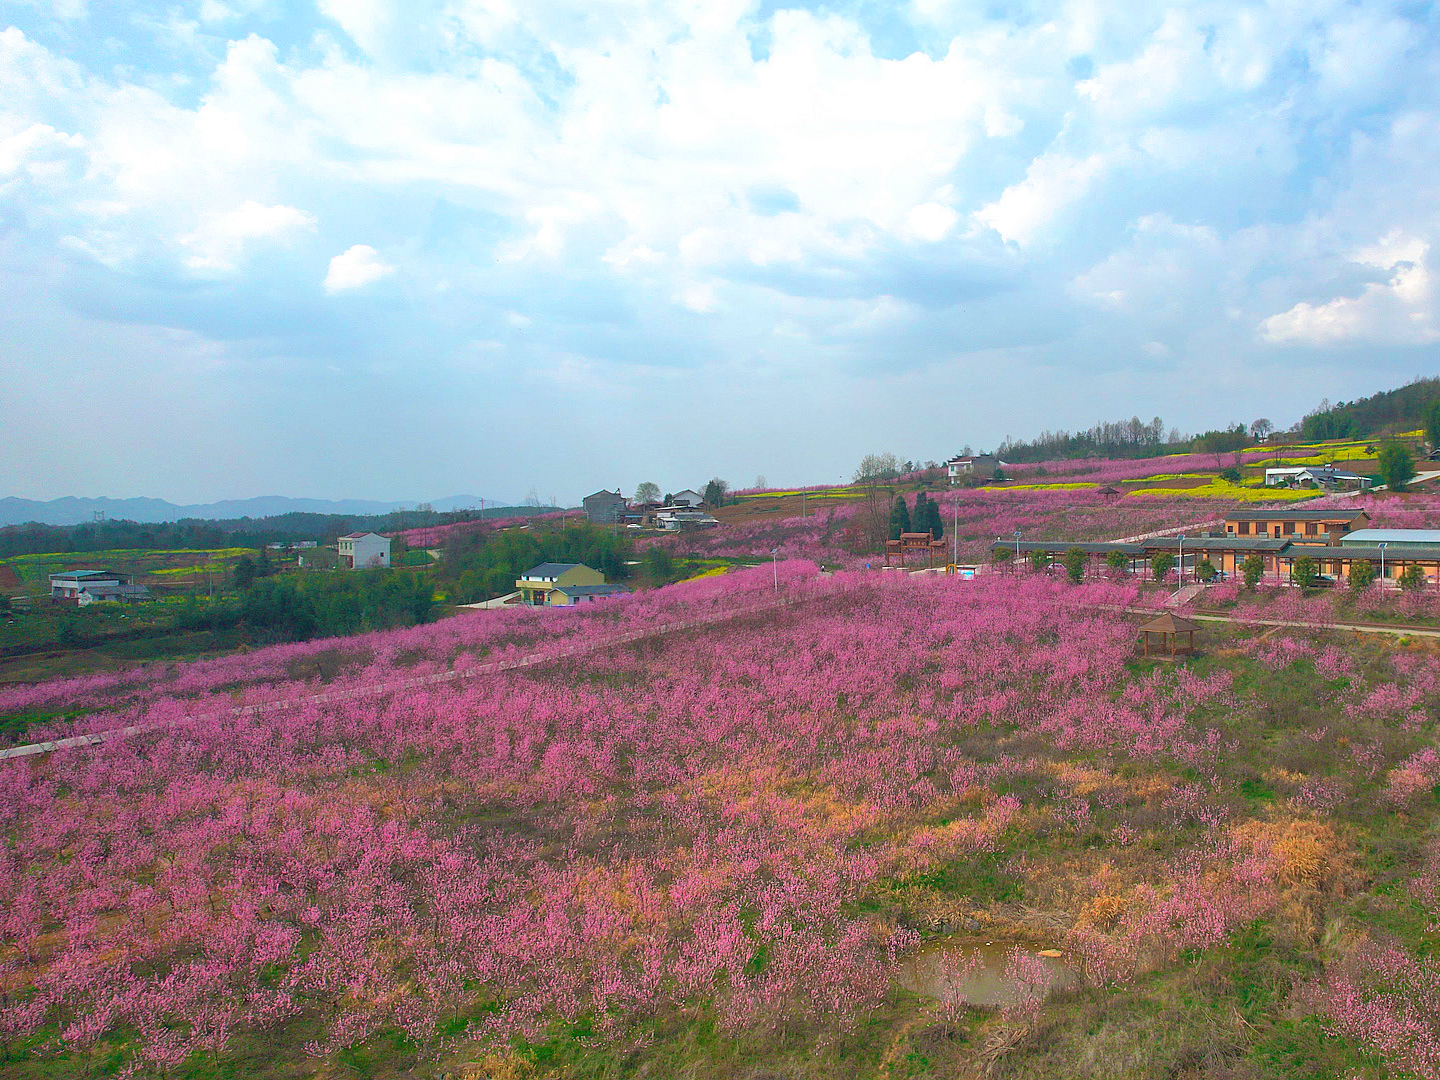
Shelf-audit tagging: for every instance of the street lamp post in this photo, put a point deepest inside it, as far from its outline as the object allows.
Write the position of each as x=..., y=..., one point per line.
x=1017, y=545
x=955, y=536
x=775, y=568
x=1180, y=569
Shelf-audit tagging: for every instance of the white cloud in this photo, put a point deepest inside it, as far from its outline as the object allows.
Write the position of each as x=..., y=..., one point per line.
x=1399, y=310
x=1024, y=211
x=932, y=222
x=354, y=268
x=219, y=242
x=365, y=21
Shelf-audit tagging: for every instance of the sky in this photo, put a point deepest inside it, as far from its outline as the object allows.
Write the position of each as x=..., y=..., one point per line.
x=401, y=250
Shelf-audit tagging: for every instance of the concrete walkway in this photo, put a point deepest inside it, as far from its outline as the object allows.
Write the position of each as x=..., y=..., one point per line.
x=1359, y=628
x=1196, y=528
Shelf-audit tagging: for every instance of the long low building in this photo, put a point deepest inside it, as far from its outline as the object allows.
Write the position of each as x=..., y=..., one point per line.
x=1288, y=523
x=1227, y=555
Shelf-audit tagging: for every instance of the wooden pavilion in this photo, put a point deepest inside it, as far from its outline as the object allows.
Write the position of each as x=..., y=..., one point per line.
x=1169, y=628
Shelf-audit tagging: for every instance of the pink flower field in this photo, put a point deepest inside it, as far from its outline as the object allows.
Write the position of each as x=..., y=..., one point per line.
x=695, y=807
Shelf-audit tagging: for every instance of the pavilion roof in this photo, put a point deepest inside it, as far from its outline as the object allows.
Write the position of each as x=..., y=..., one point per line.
x=1170, y=624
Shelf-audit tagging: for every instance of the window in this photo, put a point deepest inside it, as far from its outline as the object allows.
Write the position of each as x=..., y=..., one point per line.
x=1312, y=529
x=1244, y=528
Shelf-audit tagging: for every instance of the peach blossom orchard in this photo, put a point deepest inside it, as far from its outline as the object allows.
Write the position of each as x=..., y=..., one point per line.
x=745, y=820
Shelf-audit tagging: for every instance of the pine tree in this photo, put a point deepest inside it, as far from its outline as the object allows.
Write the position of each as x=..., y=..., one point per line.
x=919, y=517
x=899, y=518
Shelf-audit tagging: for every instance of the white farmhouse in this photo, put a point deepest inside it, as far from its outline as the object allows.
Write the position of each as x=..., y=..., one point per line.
x=692, y=499
x=358, y=551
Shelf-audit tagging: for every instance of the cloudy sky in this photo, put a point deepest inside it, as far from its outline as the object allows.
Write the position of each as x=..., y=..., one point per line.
x=408, y=248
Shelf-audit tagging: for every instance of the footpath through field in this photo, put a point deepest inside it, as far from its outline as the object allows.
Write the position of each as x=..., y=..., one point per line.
x=1401, y=630
x=381, y=689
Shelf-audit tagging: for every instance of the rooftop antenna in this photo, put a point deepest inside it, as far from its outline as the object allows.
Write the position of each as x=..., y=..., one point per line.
x=98, y=515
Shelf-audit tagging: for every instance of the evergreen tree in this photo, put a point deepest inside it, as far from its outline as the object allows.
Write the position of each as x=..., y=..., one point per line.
x=932, y=519
x=918, y=518
x=899, y=518
x=1432, y=424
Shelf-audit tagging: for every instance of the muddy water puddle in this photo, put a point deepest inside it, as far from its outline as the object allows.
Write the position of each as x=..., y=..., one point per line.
x=986, y=972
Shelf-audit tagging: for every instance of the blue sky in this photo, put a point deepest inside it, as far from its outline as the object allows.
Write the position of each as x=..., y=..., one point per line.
x=365, y=248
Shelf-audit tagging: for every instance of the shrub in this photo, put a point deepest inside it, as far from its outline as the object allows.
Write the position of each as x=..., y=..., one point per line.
x=1161, y=564
x=1039, y=560
x=1413, y=579
x=1001, y=554
x=1362, y=575
x=1116, y=561
x=1253, y=569
x=1305, y=572
x=1075, y=560
x=1206, y=571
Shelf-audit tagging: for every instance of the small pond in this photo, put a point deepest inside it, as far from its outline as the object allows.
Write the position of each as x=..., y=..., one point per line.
x=975, y=971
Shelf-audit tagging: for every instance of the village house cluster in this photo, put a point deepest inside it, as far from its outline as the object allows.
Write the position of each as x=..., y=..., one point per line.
x=1335, y=539
x=682, y=510
x=86, y=587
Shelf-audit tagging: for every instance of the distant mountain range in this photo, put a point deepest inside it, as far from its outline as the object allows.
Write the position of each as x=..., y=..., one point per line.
x=74, y=511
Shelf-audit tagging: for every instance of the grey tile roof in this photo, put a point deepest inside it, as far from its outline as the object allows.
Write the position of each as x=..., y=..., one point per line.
x=1216, y=543
x=551, y=569
x=1089, y=547
x=1278, y=514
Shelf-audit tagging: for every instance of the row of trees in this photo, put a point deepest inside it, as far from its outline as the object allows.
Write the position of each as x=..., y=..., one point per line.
x=926, y=517
x=295, y=607
x=200, y=533
x=715, y=493
x=1120, y=438
x=1305, y=571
